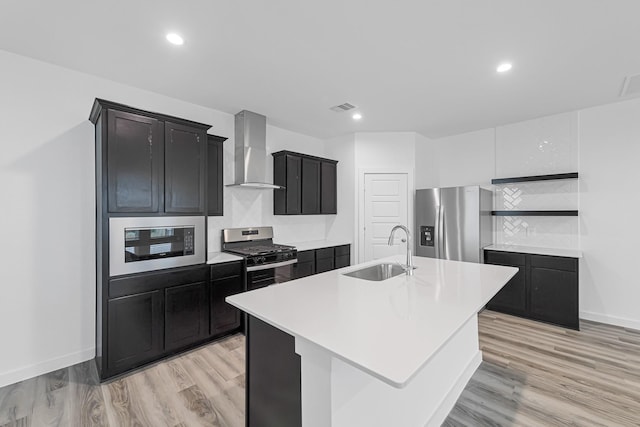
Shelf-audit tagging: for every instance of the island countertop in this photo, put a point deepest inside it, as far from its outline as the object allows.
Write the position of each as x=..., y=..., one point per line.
x=389, y=329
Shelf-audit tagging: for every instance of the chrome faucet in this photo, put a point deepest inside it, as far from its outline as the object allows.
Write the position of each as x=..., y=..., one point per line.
x=409, y=266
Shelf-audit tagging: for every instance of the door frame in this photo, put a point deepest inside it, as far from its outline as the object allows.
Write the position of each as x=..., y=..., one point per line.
x=359, y=247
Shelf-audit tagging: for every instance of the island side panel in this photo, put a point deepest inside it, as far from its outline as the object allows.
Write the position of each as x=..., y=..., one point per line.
x=338, y=394
x=273, y=377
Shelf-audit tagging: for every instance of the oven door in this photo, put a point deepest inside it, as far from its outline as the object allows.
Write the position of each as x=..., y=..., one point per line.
x=153, y=243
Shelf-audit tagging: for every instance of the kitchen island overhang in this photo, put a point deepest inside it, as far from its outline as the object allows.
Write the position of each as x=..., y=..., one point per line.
x=397, y=351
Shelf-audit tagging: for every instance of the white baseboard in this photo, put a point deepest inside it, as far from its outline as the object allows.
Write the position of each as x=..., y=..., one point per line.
x=21, y=374
x=611, y=320
x=453, y=395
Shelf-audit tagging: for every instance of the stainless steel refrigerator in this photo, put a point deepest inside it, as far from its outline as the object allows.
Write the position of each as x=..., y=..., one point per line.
x=454, y=223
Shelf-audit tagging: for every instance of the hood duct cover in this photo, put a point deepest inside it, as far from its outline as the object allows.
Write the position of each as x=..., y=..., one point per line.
x=251, y=151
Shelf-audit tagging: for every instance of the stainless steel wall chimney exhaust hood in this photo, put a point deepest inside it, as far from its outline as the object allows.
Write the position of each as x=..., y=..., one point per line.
x=251, y=151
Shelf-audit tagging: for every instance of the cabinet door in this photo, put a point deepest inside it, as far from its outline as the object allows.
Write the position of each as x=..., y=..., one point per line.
x=224, y=316
x=215, y=177
x=186, y=315
x=310, y=186
x=326, y=264
x=184, y=169
x=328, y=188
x=512, y=298
x=303, y=269
x=293, y=190
x=134, y=330
x=135, y=152
x=342, y=261
x=554, y=296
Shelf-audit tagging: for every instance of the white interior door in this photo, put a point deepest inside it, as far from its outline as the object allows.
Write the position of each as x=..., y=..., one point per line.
x=386, y=205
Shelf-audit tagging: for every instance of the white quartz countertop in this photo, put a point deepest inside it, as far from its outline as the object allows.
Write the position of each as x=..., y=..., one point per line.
x=389, y=329
x=316, y=244
x=571, y=253
x=220, y=257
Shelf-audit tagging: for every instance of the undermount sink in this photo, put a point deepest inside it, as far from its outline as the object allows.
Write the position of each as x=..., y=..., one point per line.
x=377, y=272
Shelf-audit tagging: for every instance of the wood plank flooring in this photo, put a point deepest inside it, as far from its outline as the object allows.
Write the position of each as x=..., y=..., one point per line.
x=533, y=374
x=204, y=387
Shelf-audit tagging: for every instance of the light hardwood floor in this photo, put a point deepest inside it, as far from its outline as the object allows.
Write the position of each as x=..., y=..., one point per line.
x=532, y=375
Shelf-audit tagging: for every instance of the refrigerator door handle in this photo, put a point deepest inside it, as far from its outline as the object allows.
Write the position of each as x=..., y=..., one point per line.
x=440, y=231
x=443, y=253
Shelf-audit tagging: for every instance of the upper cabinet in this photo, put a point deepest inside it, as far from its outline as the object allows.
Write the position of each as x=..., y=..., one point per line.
x=153, y=163
x=310, y=184
x=184, y=174
x=214, y=175
x=135, y=151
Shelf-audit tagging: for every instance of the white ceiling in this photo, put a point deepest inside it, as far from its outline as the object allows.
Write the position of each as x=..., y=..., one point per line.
x=426, y=66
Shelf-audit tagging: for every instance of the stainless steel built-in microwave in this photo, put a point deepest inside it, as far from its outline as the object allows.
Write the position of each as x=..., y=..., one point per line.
x=139, y=244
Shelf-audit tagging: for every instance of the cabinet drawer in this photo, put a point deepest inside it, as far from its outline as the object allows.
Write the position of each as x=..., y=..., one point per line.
x=228, y=269
x=554, y=262
x=342, y=261
x=145, y=282
x=324, y=253
x=504, y=258
x=343, y=250
x=306, y=256
x=325, y=264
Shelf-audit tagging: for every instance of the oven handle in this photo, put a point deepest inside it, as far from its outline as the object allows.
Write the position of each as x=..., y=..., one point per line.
x=273, y=265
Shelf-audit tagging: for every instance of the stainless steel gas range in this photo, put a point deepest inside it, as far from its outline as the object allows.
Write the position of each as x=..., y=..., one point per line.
x=266, y=261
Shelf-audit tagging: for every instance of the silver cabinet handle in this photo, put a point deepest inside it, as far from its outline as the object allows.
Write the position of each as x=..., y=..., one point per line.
x=274, y=265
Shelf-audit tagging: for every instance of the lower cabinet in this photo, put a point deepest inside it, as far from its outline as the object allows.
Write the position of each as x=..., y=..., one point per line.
x=186, y=315
x=306, y=265
x=316, y=261
x=325, y=260
x=545, y=288
x=135, y=330
x=226, y=280
x=152, y=315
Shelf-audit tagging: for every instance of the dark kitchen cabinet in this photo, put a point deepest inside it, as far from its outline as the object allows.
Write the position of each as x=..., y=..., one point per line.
x=342, y=256
x=226, y=280
x=310, y=184
x=186, y=315
x=325, y=260
x=287, y=172
x=273, y=386
x=554, y=290
x=135, y=330
x=513, y=296
x=215, y=183
x=320, y=260
x=306, y=265
x=135, y=153
x=185, y=163
x=329, y=187
x=149, y=162
x=545, y=288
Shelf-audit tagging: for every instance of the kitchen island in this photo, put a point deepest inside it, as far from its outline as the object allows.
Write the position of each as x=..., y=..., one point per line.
x=334, y=350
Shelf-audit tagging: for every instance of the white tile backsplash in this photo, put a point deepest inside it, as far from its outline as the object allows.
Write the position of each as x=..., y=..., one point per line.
x=542, y=231
x=536, y=147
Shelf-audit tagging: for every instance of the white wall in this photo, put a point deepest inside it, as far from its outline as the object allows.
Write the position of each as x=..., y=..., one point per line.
x=342, y=226
x=609, y=206
x=425, y=165
x=466, y=159
x=47, y=278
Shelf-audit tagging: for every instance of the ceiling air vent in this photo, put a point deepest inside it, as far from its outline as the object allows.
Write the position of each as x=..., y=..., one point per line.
x=342, y=107
x=631, y=85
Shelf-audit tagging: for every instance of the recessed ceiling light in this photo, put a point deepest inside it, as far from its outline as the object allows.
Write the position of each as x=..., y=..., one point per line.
x=174, y=38
x=504, y=67
x=357, y=116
